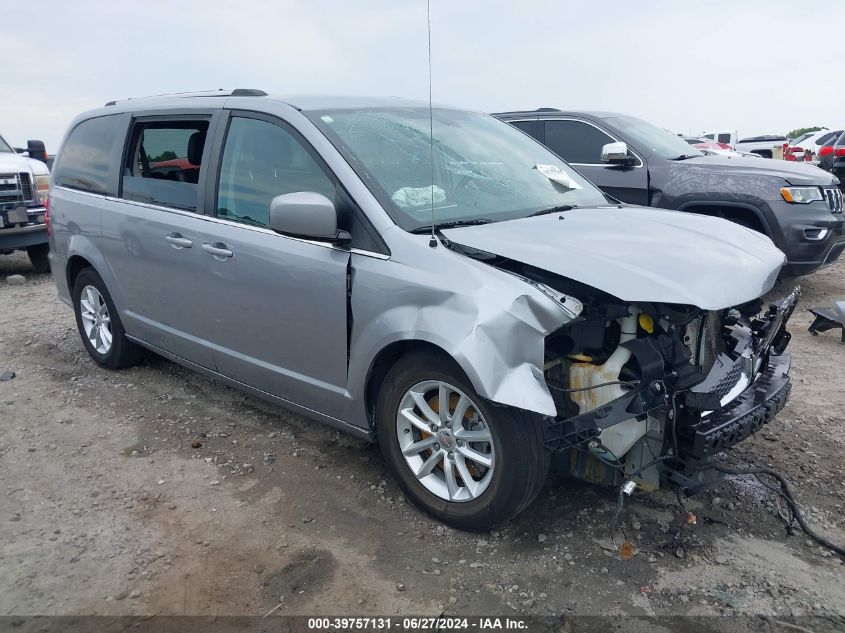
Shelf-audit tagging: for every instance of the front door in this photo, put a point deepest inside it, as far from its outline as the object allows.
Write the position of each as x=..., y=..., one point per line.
x=278, y=316
x=579, y=143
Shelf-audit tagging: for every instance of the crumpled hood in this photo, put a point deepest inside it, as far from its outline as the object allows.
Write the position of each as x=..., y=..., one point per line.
x=795, y=173
x=639, y=254
x=11, y=163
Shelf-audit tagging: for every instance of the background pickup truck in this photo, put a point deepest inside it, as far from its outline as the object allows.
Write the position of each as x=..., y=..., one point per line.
x=24, y=183
x=760, y=145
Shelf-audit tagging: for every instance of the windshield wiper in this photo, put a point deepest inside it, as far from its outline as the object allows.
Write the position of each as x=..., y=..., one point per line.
x=557, y=209
x=684, y=157
x=452, y=224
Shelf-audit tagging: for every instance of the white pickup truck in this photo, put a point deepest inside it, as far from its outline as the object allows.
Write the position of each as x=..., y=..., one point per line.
x=760, y=145
x=24, y=184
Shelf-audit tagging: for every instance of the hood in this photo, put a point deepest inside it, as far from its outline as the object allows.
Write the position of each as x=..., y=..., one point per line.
x=639, y=254
x=11, y=163
x=794, y=173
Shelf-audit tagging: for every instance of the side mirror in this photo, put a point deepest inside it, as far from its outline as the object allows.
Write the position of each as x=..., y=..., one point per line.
x=37, y=150
x=306, y=214
x=616, y=153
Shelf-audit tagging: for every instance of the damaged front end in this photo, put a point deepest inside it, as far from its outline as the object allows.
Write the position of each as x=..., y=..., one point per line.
x=650, y=392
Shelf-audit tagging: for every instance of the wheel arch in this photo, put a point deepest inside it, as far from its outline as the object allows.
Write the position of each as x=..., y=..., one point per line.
x=732, y=211
x=74, y=266
x=82, y=253
x=388, y=356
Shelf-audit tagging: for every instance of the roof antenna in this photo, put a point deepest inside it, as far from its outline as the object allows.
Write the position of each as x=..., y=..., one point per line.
x=433, y=241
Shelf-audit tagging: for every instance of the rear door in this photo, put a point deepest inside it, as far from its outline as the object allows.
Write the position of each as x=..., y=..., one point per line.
x=278, y=319
x=580, y=142
x=151, y=234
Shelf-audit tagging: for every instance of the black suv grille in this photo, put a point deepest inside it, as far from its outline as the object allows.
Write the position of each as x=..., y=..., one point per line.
x=834, y=199
x=15, y=188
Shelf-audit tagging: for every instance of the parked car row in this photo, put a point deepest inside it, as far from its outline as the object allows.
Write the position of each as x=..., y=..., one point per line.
x=832, y=157
x=814, y=141
x=467, y=299
x=760, y=145
x=707, y=146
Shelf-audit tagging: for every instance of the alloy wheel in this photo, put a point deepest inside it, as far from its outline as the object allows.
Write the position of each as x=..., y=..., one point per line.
x=445, y=441
x=96, y=320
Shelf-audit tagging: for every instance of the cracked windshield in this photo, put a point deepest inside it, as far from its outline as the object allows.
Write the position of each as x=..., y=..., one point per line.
x=483, y=169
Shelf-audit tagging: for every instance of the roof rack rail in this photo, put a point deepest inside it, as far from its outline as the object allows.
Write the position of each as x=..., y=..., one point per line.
x=220, y=92
x=248, y=92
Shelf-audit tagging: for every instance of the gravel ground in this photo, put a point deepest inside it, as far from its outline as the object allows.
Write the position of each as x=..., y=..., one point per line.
x=155, y=491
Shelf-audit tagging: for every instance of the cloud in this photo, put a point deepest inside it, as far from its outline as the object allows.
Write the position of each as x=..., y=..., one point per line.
x=684, y=66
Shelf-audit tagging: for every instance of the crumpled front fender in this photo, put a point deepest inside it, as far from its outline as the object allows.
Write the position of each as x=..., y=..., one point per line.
x=492, y=323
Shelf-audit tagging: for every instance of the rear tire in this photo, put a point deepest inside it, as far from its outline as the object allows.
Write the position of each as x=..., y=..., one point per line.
x=511, y=440
x=99, y=324
x=38, y=257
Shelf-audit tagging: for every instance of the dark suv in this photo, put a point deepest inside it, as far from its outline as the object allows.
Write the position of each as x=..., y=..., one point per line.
x=798, y=206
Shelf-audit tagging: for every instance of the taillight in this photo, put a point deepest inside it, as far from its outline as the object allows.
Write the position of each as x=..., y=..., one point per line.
x=839, y=151
x=825, y=150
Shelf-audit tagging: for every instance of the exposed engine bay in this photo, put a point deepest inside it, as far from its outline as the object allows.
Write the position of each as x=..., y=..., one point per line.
x=650, y=392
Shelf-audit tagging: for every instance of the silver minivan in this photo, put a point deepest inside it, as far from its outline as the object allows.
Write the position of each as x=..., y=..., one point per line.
x=429, y=278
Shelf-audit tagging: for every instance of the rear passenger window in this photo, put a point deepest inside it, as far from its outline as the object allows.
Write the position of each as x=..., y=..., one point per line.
x=576, y=141
x=164, y=162
x=85, y=157
x=262, y=160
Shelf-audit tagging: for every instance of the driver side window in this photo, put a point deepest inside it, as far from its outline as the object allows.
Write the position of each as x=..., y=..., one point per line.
x=262, y=160
x=576, y=142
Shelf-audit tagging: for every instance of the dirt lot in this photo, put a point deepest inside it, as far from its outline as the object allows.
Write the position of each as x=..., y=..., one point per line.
x=107, y=509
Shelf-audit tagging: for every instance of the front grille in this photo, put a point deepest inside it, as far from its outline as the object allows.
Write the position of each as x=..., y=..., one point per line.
x=26, y=186
x=704, y=339
x=15, y=188
x=834, y=199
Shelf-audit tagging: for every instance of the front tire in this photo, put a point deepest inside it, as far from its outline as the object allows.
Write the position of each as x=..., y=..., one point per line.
x=99, y=323
x=38, y=257
x=468, y=462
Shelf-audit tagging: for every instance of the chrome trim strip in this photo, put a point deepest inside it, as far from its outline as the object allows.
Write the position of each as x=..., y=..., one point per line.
x=261, y=229
x=240, y=225
x=18, y=230
x=101, y=196
x=822, y=234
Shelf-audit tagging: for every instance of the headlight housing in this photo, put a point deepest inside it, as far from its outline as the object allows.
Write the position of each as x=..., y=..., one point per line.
x=42, y=187
x=801, y=195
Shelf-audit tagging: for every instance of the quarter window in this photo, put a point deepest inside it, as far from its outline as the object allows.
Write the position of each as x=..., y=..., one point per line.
x=725, y=138
x=576, y=141
x=262, y=160
x=529, y=127
x=164, y=163
x=84, y=160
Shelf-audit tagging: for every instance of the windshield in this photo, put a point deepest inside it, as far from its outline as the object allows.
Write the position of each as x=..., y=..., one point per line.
x=4, y=146
x=484, y=169
x=650, y=138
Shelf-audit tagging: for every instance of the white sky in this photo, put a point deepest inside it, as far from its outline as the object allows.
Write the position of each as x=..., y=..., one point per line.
x=756, y=66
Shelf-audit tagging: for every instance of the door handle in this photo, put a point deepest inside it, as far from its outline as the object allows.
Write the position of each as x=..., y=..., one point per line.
x=218, y=250
x=177, y=241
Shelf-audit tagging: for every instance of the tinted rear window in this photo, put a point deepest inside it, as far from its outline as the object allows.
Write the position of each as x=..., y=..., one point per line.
x=84, y=161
